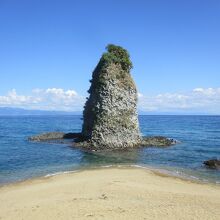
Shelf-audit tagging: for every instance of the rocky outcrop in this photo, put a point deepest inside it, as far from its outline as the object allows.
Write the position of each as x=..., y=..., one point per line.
x=213, y=164
x=54, y=136
x=110, y=117
x=57, y=137
x=158, y=141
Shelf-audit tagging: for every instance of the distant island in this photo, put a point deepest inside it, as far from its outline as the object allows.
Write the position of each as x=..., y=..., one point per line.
x=12, y=111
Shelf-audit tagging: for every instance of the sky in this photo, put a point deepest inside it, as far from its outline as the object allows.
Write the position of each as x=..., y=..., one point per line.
x=49, y=48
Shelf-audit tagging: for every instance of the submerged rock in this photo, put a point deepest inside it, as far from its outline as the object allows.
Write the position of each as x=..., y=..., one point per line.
x=213, y=164
x=158, y=141
x=110, y=117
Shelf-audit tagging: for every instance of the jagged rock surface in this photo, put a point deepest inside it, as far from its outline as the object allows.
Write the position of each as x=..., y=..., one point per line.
x=110, y=114
x=158, y=141
x=59, y=137
x=54, y=136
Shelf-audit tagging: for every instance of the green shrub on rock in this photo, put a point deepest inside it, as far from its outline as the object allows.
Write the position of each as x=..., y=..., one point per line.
x=118, y=55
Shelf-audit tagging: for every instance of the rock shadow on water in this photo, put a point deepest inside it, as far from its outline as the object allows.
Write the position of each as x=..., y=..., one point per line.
x=111, y=158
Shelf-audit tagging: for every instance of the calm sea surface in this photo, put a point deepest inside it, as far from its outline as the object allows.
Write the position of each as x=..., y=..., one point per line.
x=21, y=159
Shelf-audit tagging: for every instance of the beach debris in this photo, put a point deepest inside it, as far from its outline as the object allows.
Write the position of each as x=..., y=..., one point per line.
x=89, y=215
x=213, y=163
x=103, y=196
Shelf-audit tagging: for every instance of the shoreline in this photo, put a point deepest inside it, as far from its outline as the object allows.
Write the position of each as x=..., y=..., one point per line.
x=109, y=193
x=155, y=170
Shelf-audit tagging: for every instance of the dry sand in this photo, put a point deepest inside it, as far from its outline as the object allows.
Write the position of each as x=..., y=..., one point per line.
x=112, y=193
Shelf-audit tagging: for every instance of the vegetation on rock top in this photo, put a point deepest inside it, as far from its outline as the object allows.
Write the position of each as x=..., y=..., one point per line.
x=115, y=64
x=117, y=55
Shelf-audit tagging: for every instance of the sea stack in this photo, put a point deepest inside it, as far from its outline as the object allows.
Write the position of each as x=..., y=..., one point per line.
x=110, y=119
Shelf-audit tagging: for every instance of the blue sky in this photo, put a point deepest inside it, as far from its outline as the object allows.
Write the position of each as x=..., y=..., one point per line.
x=55, y=45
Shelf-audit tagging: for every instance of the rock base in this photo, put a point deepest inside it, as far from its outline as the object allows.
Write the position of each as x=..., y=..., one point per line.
x=54, y=136
x=151, y=141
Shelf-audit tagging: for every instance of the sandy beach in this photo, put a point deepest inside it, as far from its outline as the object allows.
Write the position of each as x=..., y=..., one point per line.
x=111, y=193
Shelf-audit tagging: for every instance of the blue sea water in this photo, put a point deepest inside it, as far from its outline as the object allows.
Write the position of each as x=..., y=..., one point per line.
x=21, y=159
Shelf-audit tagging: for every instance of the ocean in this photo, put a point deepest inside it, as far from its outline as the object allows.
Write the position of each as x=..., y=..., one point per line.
x=21, y=159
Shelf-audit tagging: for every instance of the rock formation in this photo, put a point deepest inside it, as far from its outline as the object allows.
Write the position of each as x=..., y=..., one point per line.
x=213, y=164
x=110, y=117
x=54, y=136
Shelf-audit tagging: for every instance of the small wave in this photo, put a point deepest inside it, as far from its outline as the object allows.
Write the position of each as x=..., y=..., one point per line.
x=107, y=166
x=175, y=173
x=60, y=173
x=139, y=166
x=171, y=173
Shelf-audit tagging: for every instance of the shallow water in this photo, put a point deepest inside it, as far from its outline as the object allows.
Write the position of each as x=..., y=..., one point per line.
x=21, y=159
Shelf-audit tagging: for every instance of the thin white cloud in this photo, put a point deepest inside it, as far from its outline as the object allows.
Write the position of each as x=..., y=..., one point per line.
x=208, y=91
x=201, y=100
x=140, y=95
x=45, y=99
x=12, y=98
